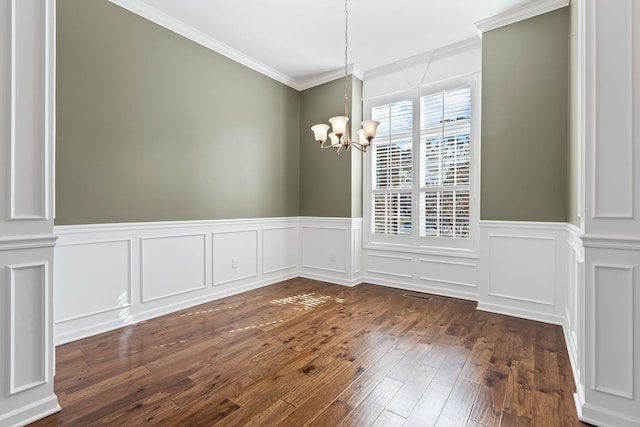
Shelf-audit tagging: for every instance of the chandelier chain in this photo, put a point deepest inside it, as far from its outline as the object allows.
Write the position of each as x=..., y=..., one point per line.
x=346, y=50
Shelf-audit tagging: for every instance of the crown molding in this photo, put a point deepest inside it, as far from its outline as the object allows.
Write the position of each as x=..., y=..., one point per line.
x=426, y=57
x=329, y=76
x=520, y=13
x=199, y=37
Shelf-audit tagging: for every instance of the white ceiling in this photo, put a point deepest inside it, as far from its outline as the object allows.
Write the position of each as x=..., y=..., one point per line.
x=301, y=40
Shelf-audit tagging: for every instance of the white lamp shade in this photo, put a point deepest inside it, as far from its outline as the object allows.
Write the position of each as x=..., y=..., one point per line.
x=362, y=139
x=339, y=124
x=334, y=140
x=370, y=127
x=320, y=132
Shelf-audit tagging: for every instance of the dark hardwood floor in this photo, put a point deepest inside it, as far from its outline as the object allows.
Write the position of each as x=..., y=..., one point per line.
x=304, y=352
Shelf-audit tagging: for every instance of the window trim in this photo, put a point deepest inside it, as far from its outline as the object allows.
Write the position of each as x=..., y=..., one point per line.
x=415, y=242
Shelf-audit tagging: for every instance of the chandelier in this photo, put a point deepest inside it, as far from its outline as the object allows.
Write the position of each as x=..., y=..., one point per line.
x=340, y=136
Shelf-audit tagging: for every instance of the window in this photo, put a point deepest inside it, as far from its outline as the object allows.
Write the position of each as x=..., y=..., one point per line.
x=445, y=129
x=420, y=168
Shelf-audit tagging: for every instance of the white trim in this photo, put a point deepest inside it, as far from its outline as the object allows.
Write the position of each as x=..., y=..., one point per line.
x=34, y=411
x=595, y=335
x=526, y=11
x=43, y=211
x=27, y=242
x=63, y=230
x=44, y=269
x=611, y=242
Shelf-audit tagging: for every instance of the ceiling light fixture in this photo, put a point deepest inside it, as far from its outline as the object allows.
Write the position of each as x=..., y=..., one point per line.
x=340, y=135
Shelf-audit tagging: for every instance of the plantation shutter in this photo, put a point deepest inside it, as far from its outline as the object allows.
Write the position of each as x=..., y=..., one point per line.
x=392, y=169
x=445, y=128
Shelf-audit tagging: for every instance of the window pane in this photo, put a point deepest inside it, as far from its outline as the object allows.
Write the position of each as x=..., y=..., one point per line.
x=445, y=129
x=394, y=118
x=392, y=165
x=444, y=214
x=392, y=149
x=392, y=213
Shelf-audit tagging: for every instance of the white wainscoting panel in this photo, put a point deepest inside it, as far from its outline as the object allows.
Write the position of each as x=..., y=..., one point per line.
x=437, y=273
x=331, y=249
x=28, y=177
x=172, y=265
x=612, y=332
x=390, y=265
x=324, y=248
x=92, y=278
x=455, y=273
x=28, y=284
x=235, y=256
x=613, y=318
x=112, y=275
x=523, y=269
x=613, y=161
x=611, y=240
x=279, y=249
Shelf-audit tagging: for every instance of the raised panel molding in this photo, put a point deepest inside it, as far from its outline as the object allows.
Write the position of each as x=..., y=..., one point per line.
x=613, y=363
x=92, y=278
x=522, y=268
x=613, y=170
x=28, y=331
x=172, y=265
x=279, y=249
x=448, y=272
x=324, y=248
x=30, y=110
x=235, y=256
x=390, y=265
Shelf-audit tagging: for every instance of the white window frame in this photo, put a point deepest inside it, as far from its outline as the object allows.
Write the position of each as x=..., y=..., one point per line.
x=415, y=242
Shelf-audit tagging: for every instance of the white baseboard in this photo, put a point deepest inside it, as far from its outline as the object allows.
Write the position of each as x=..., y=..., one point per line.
x=30, y=413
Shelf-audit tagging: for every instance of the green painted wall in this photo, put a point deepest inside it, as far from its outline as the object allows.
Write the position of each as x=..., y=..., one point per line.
x=330, y=185
x=152, y=127
x=525, y=131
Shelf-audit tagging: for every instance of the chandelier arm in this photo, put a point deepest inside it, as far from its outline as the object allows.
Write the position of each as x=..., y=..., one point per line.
x=323, y=146
x=359, y=146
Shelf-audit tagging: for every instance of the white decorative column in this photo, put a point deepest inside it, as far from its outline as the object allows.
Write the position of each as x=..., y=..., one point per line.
x=611, y=319
x=27, y=67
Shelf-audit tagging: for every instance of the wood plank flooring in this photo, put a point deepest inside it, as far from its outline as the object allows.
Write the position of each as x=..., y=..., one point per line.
x=304, y=352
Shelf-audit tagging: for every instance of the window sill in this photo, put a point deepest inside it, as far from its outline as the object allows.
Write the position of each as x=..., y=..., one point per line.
x=426, y=250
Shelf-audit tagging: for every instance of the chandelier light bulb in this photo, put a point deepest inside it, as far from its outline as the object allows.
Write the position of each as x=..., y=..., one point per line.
x=320, y=132
x=339, y=125
x=370, y=127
